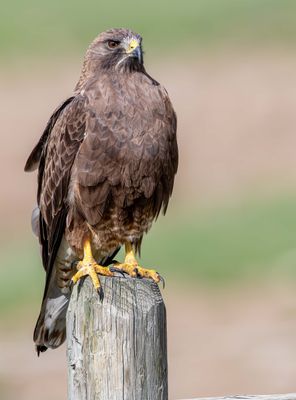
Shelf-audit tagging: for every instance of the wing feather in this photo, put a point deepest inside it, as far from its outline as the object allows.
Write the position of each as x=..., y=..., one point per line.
x=55, y=164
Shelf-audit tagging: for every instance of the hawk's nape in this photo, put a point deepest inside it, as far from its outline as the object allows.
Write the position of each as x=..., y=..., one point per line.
x=106, y=166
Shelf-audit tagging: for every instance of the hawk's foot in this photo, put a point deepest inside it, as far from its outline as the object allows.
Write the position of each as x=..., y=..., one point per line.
x=89, y=267
x=131, y=267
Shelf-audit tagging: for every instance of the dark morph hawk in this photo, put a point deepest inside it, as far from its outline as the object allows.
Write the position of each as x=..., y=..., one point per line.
x=106, y=166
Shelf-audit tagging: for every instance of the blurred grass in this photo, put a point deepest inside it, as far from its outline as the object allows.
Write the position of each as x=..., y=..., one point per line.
x=226, y=244
x=22, y=274
x=213, y=246
x=53, y=27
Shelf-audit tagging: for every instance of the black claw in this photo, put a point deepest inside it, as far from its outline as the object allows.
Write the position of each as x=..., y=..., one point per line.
x=71, y=284
x=161, y=279
x=114, y=269
x=100, y=293
x=137, y=273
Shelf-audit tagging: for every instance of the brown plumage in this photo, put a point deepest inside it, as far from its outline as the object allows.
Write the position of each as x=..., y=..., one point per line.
x=106, y=165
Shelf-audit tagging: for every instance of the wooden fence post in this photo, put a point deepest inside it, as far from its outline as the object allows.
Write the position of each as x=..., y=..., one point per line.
x=117, y=349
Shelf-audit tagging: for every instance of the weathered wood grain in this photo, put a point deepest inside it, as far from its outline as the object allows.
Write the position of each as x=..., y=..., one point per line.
x=289, y=396
x=117, y=349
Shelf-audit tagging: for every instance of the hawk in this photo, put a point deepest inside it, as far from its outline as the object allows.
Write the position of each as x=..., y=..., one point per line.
x=106, y=166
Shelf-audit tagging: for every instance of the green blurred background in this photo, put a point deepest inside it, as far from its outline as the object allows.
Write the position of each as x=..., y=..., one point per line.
x=227, y=246
x=51, y=28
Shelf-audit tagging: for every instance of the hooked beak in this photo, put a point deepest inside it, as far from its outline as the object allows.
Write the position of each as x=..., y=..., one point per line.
x=134, y=49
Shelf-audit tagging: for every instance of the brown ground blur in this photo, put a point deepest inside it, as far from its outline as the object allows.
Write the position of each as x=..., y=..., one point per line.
x=236, y=117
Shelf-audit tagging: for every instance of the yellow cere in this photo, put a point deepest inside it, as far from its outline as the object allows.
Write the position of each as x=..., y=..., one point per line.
x=132, y=45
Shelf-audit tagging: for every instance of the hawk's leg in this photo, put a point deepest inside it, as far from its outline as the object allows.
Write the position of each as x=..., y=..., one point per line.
x=88, y=266
x=132, y=268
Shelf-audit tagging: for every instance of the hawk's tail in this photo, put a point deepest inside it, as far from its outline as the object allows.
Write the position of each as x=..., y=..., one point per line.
x=50, y=329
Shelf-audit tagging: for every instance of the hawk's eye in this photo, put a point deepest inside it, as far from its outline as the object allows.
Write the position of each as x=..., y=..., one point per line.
x=112, y=44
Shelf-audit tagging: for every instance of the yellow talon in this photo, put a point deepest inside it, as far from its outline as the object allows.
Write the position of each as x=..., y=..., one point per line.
x=88, y=266
x=132, y=268
x=148, y=273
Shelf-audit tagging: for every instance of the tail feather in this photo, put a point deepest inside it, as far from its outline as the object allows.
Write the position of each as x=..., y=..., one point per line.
x=50, y=329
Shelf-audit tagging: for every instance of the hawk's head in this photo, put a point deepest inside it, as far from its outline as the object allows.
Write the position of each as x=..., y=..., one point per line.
x=118, y=49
